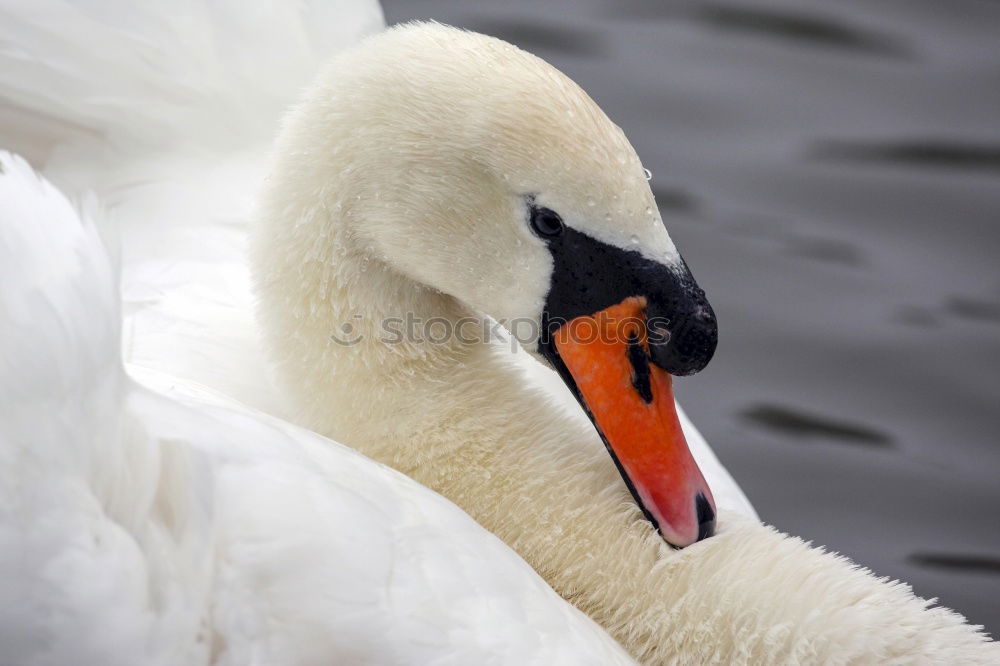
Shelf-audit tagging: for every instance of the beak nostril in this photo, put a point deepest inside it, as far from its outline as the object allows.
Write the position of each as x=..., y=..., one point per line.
x=706, y=516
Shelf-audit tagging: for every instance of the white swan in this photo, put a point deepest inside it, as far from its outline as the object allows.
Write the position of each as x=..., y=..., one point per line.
x=748, y=594
x=161, y=524
x=426, y=173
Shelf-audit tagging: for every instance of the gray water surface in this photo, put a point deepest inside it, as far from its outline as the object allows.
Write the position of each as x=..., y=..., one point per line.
x=831, y=173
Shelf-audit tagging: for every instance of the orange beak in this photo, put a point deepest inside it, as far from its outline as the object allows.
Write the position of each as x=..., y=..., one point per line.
x=631, y=402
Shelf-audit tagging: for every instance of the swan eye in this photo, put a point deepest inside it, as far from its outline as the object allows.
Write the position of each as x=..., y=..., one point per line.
x=546, y=223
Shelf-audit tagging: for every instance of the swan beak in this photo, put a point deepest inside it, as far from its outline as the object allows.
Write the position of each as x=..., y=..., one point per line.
x=612, y=361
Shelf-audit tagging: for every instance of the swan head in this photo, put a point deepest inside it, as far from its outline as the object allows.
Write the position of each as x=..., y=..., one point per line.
x=477, y=170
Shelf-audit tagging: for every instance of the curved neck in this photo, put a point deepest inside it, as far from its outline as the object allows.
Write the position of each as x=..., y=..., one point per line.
x=358, y=337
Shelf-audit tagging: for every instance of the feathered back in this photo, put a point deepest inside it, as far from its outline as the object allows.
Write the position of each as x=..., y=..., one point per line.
x=61, y=383
x=165, y=111
x=58, y=299
x=157, y=73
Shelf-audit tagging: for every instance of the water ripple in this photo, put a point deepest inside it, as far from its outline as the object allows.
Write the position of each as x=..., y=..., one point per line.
x=797, y=423
x=674, y=199
x=812, y=29
x=957, y=562
x=919, y=152
x=539, y=36
x=973, y=309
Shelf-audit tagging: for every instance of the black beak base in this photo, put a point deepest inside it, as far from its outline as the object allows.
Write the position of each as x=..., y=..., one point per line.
x=589, y=276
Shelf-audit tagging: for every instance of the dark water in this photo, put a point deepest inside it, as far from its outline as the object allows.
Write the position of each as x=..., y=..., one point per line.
x=831, y=172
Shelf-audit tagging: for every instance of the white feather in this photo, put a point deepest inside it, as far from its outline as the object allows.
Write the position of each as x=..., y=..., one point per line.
x=165, y=524
x=168, y=122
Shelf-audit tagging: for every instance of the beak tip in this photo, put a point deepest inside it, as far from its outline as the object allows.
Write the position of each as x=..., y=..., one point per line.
x=704, y=524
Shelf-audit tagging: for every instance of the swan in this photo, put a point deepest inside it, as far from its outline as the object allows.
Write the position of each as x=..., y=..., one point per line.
x=448, y=176
x=495, y=432
x=147, y=520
